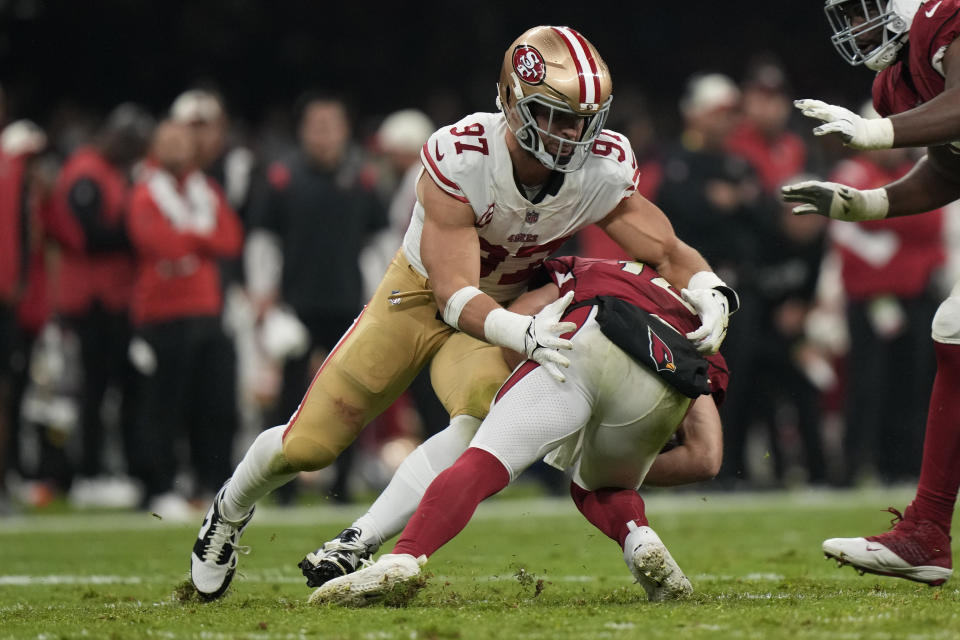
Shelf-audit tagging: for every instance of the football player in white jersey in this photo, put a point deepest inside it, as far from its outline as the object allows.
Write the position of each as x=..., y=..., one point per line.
x=498, y=194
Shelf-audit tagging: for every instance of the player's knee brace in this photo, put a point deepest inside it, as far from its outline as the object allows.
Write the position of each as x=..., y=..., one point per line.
x=306, y=454
x=946, y=322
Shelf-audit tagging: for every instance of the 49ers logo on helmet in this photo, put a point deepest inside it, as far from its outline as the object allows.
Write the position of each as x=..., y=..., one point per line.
x=529, y=64
x=660, y=353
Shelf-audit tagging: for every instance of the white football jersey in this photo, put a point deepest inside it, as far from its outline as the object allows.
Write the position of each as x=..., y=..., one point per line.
x=471, y=162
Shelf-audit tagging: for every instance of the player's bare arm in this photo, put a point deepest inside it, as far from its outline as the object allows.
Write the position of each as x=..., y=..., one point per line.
x=932, y=123
x=938, y=120
x=700, y=452
x=643, y=230
x=450, y=250
x=935, y=122
x=930, y=184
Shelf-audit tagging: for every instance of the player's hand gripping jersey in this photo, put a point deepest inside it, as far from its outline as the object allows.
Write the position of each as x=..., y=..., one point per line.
x=641, y=286
x=470, y=162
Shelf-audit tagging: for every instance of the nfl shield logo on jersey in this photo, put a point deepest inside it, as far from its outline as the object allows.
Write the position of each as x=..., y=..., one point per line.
x=532, y=216
x=660, y=353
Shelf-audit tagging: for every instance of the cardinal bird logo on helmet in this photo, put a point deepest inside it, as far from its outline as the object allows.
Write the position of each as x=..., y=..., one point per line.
x=529, y=64
x=660, y=353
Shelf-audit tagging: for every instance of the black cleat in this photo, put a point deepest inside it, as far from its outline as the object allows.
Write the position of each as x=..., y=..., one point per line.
x=342, y=555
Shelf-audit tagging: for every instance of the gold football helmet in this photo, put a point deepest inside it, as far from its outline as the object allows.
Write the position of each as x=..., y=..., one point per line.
x=554, y=73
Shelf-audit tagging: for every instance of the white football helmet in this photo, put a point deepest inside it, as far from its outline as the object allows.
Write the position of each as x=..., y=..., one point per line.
x=883, y=23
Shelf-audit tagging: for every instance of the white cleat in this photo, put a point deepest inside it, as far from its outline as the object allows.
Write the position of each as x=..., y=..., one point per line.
x=214, y=558
x=652, y=565
x=870, y=556
x=368, y=585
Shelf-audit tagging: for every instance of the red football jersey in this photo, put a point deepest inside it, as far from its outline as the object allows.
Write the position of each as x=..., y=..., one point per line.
x=918, y=78
x=640, y=285
x=914, y=244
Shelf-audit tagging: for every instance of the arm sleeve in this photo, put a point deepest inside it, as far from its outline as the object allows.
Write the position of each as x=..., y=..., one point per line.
x=86, y=203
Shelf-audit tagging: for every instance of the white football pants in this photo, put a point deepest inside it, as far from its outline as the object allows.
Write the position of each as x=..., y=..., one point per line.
x=607, y=422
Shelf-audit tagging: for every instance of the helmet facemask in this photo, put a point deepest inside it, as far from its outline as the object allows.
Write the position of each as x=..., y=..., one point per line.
x=555, y=92
x=570, y=155
x=883, y=18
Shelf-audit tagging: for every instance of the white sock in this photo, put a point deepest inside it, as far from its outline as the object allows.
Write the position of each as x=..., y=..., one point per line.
x=389, y=514
x=262, y=470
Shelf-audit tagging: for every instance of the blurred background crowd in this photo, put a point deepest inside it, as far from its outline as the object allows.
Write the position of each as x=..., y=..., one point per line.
x=197, y=198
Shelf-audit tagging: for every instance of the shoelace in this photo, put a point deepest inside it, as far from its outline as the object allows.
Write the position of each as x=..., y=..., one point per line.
x=222, y=533
x=355, y=546
x=897, y=517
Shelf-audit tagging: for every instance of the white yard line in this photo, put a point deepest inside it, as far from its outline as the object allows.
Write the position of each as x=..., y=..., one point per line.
x=659, y=503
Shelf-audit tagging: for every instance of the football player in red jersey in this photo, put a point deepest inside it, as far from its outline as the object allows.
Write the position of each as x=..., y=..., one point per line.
x=633, y=378
x=498, y=194
x=914, y=47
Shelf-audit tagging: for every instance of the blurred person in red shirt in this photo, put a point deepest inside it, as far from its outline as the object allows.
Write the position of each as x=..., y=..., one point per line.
x=762, y=138
x=888, y=269
x=91, y=286
x=19, y=144
x=230, y=165
x=180, y=224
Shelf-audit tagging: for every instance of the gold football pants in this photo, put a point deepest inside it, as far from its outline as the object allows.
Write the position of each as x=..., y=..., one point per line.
x=377, y=359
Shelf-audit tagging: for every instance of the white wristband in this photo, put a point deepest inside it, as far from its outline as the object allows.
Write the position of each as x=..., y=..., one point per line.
x=455, y=304
x=705, y=280
x=875, y=204
x=877, y=134
x=506, y=329
x=710, y=280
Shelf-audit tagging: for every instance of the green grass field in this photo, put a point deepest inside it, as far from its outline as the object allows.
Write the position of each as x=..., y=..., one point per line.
x=524, y=568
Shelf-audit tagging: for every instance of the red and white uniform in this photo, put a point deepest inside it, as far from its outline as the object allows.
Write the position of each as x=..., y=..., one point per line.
x=914, y=80
x=470, y=161
x=893, y=256
x=919, y=77
x=612, y=416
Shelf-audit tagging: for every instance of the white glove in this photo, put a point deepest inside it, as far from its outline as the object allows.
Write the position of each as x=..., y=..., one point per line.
x=714, y=311
x=837, y=201
x=537, y=337
x=856, y=132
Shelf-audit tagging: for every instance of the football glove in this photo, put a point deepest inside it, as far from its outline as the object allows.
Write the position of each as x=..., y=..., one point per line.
x=542, y=339
x=713, y=307
x=538, y=338
x=837, y=201
x=856, y=132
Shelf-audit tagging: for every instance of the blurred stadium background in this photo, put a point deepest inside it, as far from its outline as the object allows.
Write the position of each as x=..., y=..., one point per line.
x=65, y=66
x=263, y=55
